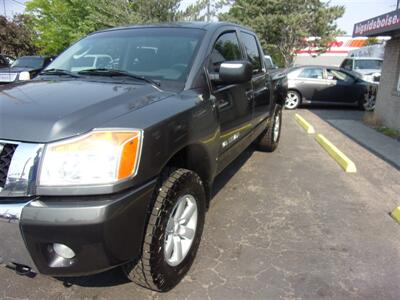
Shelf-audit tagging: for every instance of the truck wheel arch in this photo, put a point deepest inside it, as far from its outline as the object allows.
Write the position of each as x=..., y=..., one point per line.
x=196, y=158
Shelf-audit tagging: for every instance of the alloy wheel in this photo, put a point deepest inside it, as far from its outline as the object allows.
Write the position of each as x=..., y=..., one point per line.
x=292, y=100
x=181, y=230
x=277, y=127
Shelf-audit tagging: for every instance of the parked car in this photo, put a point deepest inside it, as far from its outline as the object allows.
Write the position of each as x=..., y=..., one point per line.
x=104, y=168
x=369, y=68
x=329, y=85
x=24, y=68
x=5, y=60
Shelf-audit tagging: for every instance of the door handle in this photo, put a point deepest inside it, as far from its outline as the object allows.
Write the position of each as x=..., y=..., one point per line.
x=249, y=95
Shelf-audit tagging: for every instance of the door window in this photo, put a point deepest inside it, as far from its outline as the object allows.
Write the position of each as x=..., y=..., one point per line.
x=312, y=73
x=226, y=48
x=253, y=53
x=339, y=76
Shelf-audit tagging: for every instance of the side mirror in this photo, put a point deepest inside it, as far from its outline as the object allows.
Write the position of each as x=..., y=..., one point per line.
x=235, y=72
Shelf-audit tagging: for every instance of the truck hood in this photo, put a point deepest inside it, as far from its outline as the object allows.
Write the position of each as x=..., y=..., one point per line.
x=368, y=71
x=44, y=111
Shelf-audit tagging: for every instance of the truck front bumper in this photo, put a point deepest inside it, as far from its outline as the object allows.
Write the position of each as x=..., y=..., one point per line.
x=103, y=231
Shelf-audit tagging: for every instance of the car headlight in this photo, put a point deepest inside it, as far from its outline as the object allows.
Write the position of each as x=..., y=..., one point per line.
x=24, y=76
x=99, y=157
x=369, y=78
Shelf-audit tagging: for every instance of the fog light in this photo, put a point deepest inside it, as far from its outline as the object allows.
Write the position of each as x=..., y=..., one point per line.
x=63, y=251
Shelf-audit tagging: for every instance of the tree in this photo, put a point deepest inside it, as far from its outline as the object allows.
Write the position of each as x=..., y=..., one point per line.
x=283, y=25
x=16, y=36
x=61, y=22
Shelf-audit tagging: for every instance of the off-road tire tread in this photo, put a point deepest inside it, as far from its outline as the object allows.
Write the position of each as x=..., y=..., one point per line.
x=143, y=273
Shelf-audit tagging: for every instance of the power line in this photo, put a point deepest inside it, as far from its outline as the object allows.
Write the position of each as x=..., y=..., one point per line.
x=15, y=1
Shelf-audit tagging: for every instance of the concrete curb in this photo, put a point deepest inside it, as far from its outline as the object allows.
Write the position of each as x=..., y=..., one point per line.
x=396, y=214
x=303, y=123
x=336, y=154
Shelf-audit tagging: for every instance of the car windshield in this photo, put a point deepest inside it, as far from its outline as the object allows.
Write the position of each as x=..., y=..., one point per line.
x=364, y=64
x=29, y=62
x=163, y=54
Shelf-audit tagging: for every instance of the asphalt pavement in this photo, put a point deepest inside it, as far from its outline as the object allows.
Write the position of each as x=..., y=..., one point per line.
x=284, y=225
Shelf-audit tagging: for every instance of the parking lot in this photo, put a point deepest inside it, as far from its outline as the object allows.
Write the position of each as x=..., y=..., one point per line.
x=286, y=225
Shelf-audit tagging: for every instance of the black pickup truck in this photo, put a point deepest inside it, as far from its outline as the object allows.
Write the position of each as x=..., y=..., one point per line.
x=108, y=157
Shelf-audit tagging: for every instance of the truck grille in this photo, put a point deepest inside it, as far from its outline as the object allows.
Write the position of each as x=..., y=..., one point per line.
x=5, y=160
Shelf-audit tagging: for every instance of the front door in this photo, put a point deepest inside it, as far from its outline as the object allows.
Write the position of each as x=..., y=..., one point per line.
x=233, y=101
x=341, y=87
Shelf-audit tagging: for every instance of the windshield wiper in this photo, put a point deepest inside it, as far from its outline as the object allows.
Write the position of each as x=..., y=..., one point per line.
x=113, y=72
x=59, y=72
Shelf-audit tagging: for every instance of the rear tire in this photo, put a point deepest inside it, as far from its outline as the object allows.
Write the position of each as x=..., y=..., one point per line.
x=269, y=139
x=293, y=100
x=173, y=233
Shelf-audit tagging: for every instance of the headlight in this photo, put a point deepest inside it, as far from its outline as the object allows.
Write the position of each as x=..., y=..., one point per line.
x=369, y=78
x=24, y=76
x=100, y=157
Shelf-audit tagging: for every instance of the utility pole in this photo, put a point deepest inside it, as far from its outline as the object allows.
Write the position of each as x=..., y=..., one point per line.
x=4, y=4
x=208, y=10
x=398, y=4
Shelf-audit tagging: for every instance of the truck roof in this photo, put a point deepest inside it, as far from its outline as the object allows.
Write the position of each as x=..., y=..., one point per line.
x=196, y=25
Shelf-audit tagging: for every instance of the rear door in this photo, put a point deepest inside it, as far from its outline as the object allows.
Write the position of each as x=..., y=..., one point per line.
x=311, y=83
x=233, y=101
x=261, y=80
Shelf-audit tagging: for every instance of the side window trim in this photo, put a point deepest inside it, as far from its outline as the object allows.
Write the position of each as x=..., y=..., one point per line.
x=262, y=66
x=231, y=30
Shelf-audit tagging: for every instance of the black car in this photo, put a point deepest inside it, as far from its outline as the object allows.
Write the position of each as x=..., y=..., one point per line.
x=328, y=85
x=24, y=68
x=5, y=60
x=108, y=157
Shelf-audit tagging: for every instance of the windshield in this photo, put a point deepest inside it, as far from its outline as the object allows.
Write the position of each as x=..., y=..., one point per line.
x=154, y=53
x=29, y=62
x=365, y=64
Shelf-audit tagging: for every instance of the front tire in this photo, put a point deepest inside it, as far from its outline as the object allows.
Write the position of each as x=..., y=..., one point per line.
x=269, y=139
x=173, y=233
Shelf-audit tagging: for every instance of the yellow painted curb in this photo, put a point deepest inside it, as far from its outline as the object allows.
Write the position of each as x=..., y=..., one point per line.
x=336, y=154
x=303, y=123
x=396, y=214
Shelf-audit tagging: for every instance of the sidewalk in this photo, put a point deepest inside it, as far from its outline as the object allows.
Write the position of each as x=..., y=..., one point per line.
x=349, y=122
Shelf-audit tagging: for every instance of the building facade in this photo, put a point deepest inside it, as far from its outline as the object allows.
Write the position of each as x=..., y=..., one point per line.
x=387, y=108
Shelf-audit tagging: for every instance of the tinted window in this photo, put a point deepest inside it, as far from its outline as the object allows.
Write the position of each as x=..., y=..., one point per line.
x=339, y=76
x=253, y=54
x=226, y=48
x=347, y=64
x=314, y=73
x=29, y=62
x=156, y=53
x=368, y=64
x=2, y=61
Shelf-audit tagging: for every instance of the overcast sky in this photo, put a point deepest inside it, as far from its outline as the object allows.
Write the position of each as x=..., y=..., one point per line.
x=356, y=10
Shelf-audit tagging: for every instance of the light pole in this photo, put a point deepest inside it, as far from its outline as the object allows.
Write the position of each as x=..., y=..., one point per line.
x=4, y=4
x=398, y=4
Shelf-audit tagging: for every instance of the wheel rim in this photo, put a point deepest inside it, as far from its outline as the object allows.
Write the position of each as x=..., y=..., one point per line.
x=181, y=230
x=292, y=100
x=277, y=127
x=369, y=102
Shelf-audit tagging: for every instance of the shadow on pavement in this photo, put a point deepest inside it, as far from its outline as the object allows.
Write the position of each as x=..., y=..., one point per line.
x=349, y=121
x=115, y=276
